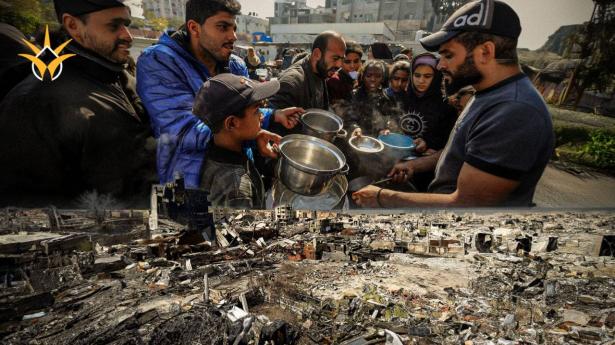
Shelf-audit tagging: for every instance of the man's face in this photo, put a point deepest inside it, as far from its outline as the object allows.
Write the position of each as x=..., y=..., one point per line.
x=352, y=62
x=332, y=59
x=457, y=66
x=218, y=36
x=106, y=33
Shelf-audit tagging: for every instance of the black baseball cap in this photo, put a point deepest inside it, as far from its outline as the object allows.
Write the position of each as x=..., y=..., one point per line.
x=228, y=94
x=80, y=7
x=488, y=16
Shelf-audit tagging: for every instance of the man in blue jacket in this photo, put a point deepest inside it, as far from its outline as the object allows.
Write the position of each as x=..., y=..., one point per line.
x=170, y=74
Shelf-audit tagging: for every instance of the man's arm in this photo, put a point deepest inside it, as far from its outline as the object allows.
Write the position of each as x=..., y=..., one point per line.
x=474, y=188
x=403, y=171
x=168, y=99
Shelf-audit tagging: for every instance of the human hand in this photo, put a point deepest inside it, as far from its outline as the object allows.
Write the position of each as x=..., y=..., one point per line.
x=262, y=143
x=367, y=197
x=420, y=145
x=402, y=172
x=288, y=117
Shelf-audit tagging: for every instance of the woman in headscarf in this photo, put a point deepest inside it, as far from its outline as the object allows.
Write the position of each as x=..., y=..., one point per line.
x=427, y=114
x=428, y=118
x=398, y=82
x=253, y=62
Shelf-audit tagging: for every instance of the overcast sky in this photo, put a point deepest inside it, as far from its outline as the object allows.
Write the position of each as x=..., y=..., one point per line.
x=539, y=18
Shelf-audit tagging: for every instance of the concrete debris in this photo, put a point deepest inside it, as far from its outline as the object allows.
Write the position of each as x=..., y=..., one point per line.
x=304, y=277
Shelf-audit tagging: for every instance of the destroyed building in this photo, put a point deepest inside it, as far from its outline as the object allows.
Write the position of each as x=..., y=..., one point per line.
x=415, y=278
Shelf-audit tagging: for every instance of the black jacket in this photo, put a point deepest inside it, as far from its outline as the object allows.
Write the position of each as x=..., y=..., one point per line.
x=86, y=130
x=428, y=116
x=300, y=87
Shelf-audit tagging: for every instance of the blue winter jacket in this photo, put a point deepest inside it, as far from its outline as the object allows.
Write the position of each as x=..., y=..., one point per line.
x=168, y=79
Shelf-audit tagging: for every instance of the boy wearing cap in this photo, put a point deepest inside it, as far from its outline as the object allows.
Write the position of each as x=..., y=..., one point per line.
x=504, y=138
x=229, y=105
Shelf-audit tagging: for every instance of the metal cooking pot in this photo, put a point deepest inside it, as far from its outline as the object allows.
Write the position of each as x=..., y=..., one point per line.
x=307, y=165
x=322, y=124
x=366, y=156
x=396, y=146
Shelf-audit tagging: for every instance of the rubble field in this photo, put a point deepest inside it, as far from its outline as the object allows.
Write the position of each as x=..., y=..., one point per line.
x=307, y=277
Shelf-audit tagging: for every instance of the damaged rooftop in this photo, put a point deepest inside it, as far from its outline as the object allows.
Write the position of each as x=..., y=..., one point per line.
x=306, y=277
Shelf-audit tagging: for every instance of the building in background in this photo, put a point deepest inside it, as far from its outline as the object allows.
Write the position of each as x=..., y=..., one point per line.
x=169, y=9
x=248, y=24
x=404, y=17
x=364, y=33
x=136, y=7
x=290, y=12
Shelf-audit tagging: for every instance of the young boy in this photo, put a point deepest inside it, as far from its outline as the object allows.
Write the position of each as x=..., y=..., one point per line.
x=229, y=105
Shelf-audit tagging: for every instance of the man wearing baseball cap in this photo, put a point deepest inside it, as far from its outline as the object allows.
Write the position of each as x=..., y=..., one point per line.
x=85, y=129
x=504, y=138
x=229, y=105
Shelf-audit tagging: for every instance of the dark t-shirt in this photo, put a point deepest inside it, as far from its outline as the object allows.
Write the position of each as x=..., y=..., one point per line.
x=506, y=131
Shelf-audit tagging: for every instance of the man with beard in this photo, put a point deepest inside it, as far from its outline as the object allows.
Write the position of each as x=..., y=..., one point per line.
x=504, y=138
x=303, y=83
x=80, y=128
x=170, y=75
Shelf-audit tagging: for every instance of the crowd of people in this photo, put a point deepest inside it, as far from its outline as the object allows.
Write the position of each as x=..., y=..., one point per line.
x=482, y=133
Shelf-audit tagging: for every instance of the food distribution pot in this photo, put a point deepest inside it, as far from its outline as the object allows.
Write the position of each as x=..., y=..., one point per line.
x=396, y=146
x=307, y=164
x=322, y=124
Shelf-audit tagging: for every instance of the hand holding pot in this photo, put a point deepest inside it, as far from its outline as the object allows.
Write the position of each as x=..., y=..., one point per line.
x=262, y=143
x=288, y=117
x=420, y=145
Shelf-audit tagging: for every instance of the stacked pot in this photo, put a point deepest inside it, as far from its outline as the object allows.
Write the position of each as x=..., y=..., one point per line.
x=309, y=162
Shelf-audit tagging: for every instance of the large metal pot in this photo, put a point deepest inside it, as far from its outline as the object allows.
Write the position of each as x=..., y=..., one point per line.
x=322, y=124
x=307, y=165
x=366, y=156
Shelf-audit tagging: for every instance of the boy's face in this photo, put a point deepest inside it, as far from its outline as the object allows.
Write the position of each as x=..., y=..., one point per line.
x=249, y=125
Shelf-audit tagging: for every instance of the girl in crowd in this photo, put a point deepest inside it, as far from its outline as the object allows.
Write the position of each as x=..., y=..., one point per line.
x=371, y=109
x=427, y=117
x=340, y=85
x=427, y=114
x=398, y=83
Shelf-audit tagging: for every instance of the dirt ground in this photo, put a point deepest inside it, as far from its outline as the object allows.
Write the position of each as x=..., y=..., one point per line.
x=562, y=186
